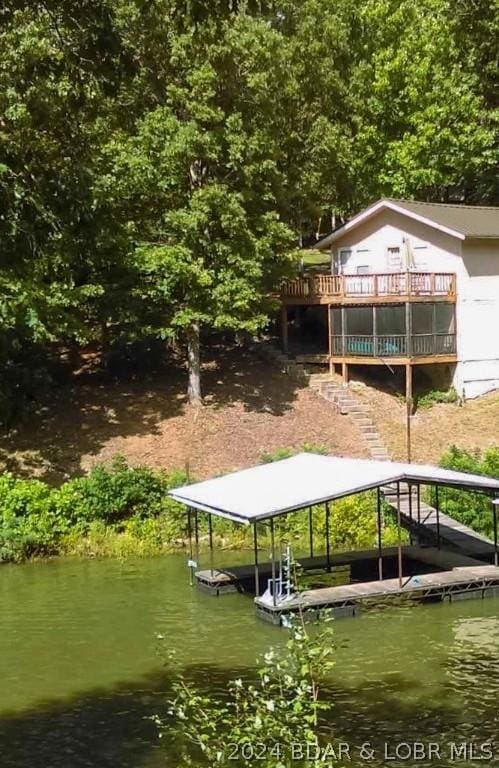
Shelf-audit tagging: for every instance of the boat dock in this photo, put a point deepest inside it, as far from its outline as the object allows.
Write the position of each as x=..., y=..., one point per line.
x=445, y=559
x=478, y=581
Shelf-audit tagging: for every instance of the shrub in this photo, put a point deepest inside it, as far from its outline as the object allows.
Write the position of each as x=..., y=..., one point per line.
x=437, y=396
x=472, y=509
x=257, y=724
x=36, y=519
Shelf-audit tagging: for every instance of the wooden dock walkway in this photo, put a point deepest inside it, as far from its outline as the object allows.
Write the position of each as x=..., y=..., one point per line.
x=477, y=581
x=427, y=527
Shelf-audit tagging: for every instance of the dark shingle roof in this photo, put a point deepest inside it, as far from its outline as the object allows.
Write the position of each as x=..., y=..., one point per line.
x=469, y=220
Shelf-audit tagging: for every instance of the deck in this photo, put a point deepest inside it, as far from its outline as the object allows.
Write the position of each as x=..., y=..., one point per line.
x=370, y=289
x=475, y=581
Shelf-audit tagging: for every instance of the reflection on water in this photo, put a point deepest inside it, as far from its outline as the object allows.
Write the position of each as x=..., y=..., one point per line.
x=80, y=673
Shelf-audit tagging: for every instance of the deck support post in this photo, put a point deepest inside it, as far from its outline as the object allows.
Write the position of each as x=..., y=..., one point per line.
x=399, y=534
x=255, y=550
x=330, y=339
x=210, y=532
x=311, y=531
x=344, y=373
x=284, y=329
x=408, y=401
x=343, y=350
x=437, y=507
x=495, y=502
x=380, y=534
x=272, y=544
x=328, y=546
x=191, y=554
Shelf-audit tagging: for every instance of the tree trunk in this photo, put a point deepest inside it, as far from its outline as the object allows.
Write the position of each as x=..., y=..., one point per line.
x=193, y=365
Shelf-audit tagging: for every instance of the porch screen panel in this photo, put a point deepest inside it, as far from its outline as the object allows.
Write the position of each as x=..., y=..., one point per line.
x=359, y=329
x=359, y=321
x=422, y=318
x=445, y=329
x=445, y=318
x=336, y=331
x=390, y=321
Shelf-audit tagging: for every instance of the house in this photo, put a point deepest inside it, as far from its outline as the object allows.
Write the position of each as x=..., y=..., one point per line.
x=409, y=284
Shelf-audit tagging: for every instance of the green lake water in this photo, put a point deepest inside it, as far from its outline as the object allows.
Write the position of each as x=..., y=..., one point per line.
x=80, y=673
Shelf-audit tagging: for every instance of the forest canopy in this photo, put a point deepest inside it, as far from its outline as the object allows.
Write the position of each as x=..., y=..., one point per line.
x=160, y=162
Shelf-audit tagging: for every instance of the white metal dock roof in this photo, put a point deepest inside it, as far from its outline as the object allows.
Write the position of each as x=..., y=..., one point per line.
x=268, y=490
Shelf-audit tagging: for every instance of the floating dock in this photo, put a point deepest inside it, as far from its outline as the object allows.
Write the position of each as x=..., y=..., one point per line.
x=459, y=584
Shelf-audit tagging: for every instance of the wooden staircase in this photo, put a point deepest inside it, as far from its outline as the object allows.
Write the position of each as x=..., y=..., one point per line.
x=332, y=389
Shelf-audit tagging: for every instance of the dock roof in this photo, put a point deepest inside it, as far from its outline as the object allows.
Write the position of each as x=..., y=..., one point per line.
x=270, y=490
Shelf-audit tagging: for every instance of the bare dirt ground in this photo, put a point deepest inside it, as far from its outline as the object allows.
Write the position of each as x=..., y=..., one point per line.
x=250, y=408
x=433, y=430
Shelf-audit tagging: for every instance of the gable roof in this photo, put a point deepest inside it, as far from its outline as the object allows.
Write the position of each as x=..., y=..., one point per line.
x=460, y=221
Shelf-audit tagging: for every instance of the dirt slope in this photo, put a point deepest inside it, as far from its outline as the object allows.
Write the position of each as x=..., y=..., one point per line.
x=472, y=425
x=250, y=408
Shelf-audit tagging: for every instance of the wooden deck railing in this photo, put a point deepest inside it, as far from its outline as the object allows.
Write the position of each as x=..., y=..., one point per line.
x=377, y=285
x=395, y=345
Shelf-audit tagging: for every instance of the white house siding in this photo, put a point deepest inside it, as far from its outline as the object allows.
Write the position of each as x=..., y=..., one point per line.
x=479, y=318
x=476, y=265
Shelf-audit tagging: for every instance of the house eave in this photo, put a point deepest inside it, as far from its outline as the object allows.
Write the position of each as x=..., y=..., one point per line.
x=371, y=211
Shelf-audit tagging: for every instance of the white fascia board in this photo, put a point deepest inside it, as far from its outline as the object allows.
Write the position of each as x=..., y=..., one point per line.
x=371, y=211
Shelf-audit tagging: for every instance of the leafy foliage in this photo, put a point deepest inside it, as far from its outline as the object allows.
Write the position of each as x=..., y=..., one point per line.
x=434, y=396
x=158, y=161
x=36, y=519
x=472, y=509
x=283, y=708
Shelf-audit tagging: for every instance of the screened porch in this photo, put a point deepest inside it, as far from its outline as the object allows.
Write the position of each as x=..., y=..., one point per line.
x=405, y=330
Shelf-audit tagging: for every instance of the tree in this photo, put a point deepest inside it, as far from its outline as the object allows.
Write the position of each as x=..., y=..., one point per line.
x=423, y=126
x=199, y=180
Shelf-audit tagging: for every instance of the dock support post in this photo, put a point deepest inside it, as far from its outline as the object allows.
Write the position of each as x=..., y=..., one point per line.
x=196, y=536
x=380, y=534
x=272, y=543
x=328, y=547
x=409, y=486
x=311, y=531
x=437, y=507
x=495, y=502
x=191, y=555
x=255, y=550
x=399, y=532
x=210, y=530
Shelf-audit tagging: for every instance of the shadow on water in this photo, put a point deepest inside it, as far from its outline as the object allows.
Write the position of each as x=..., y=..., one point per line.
x=106, y=728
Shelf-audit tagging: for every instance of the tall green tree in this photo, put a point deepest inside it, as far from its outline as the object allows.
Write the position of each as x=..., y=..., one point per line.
x=200, y=180
x=424, y=129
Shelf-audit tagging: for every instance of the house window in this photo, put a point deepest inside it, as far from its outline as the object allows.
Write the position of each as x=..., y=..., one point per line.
x=363, y=269
x=394, y=258
x=340, y=260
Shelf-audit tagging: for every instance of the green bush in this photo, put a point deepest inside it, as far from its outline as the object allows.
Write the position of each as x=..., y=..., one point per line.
x=437, y=396
x=36, y=519
x=472, y=509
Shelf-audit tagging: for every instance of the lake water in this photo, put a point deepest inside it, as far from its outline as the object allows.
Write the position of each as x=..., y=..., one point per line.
x=80, y=672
